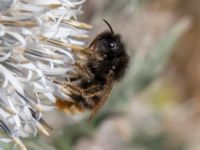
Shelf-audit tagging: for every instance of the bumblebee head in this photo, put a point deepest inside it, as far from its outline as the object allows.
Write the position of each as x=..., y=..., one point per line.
x=108, y=44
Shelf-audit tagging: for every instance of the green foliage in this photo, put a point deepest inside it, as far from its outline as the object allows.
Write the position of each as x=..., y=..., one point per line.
x=161, y=141
x=38, y=143
x=72, y=134
x=5, y=146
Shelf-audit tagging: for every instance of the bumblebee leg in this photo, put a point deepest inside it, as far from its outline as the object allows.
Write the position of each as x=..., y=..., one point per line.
x=84, y=70
x=82, y=101
x=93, y=89
x=74, y=88
x=84, y=97
x=69, y=107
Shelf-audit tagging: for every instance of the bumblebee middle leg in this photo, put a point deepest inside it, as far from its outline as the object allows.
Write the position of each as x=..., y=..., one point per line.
x=86, y=92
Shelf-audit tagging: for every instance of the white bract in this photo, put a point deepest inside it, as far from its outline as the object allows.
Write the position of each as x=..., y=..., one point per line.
x=37, y=38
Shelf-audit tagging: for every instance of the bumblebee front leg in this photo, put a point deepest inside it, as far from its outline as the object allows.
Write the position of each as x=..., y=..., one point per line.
x=83, y=70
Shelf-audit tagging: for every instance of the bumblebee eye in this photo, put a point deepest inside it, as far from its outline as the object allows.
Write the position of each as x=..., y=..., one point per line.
x=113, y=45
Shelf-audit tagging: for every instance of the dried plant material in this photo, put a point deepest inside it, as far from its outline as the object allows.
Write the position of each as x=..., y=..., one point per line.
x=38, y=44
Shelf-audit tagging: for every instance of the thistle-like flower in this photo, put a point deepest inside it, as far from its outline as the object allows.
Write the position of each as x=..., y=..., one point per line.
x=38, y=40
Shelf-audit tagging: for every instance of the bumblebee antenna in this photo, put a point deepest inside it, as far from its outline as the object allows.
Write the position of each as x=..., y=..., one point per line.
x=111, y=30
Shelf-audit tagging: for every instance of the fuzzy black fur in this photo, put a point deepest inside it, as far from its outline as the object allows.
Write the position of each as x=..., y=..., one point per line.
x=114, y=58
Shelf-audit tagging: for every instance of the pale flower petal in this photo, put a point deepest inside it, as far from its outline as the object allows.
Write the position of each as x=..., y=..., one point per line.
x=38, y=42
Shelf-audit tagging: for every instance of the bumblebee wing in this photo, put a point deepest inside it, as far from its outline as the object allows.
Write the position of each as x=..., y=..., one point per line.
x=104, y=95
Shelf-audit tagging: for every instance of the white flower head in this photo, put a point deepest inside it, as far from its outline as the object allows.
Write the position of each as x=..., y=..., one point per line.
x=37, y=44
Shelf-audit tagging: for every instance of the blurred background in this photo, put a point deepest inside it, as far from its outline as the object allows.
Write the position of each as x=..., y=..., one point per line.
x=157, y=105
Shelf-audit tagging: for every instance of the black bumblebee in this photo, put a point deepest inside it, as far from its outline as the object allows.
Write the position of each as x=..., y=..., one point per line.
x=105, y=65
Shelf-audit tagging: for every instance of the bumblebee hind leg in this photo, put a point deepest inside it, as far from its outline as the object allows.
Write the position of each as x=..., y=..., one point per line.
x=68, y=107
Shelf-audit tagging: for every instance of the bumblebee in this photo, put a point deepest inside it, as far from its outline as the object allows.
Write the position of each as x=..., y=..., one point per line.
x=106, y=64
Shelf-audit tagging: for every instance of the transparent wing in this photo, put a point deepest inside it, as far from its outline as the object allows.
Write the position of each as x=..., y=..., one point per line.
x=105, y=94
